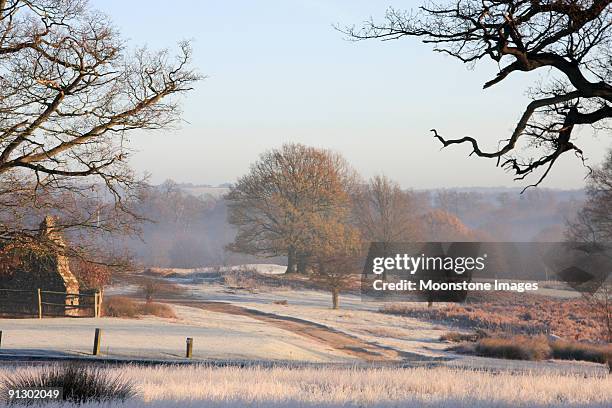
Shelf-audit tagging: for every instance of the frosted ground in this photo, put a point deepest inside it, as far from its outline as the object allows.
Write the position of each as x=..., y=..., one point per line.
x=196, y=386
x=305, y=371
x=226, y=336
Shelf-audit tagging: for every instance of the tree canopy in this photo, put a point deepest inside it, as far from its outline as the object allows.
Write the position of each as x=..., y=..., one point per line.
x=292, y=200
x=71, y=91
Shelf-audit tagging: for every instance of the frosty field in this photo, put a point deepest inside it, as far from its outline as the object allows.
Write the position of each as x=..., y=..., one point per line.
x=284, y=347
x=197, y=386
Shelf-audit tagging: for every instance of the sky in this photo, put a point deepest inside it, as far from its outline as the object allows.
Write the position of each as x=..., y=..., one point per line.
x=278, y=72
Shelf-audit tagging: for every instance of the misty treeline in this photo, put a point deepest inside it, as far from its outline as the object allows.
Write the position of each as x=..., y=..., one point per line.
x=189, y=230
x=182, y=226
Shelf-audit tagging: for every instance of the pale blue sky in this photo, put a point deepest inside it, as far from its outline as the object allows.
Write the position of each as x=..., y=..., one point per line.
x=278, y=72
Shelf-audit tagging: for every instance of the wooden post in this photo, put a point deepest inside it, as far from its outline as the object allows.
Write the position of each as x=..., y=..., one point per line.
x=99, y=303
x=0, y=338
x=40, y=314
x=97, y=339
x=96, y=313
x=189, y=351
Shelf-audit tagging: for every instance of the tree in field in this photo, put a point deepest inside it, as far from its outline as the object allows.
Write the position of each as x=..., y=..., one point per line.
x=593, y=225
x=288, y=194
x=570, y=39
x=70, y=94
x=337, y=250
x=386, y=213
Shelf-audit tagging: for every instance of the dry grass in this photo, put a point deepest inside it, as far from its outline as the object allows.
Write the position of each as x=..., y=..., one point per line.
x=457, y=337
x=120, y=306
x=514, y=348
x=256, y=387
x=526, y=314
x=157, y=309
x=532, y=348
x=566, y=350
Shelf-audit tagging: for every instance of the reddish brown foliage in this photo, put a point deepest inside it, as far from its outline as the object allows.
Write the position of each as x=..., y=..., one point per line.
x=517, y=314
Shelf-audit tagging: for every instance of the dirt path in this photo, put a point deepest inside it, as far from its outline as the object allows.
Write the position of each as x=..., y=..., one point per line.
x=323, y=334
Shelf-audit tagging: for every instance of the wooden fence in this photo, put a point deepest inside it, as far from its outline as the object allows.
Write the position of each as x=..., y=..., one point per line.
x=46, y=303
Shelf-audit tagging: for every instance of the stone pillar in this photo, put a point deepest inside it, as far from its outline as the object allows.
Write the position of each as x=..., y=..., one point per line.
x=49, y=233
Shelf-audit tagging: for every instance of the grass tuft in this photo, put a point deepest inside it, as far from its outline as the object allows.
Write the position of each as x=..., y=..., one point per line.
x=80, y=383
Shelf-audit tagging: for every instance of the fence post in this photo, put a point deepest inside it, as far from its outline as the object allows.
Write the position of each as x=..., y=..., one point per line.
x=40, y=314
x=97, y=339
x=96, y=313
x=189, y=351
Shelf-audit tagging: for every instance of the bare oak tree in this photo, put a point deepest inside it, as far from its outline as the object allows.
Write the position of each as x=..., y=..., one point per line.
x=571, y=38
x=70, y=93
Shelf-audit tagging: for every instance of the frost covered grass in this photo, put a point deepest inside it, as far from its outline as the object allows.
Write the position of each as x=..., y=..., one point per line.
x=198, y=386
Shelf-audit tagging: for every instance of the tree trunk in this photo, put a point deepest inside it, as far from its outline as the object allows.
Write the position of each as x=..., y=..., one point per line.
x=290, y=260
x=301, y=264
x=335, y=298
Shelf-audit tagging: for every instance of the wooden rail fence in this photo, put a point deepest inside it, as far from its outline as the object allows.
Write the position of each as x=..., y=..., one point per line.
x=48, y=303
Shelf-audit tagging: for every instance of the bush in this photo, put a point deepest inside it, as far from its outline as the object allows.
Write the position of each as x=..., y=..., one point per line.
x=538, y=348
x=81, y=383
x=597, y=353
x=157, y=309
x=120, y=306
x=456, y=337
x=515, y=348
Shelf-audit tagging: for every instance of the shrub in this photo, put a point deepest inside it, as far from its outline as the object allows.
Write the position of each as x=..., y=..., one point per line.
x=515, y=348
x=597, y=353
x=80, y=383
x=456, y=337
x=120, y=306
x=157, y=309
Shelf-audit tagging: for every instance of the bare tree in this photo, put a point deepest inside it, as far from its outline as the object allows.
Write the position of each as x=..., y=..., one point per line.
x=573, y=39
x=70, y=93
x=593, y=225
x=386, y=213
x=288, y=194
x=594, y=221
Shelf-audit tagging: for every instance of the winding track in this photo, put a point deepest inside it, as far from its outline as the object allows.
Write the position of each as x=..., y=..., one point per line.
x=339, y=341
